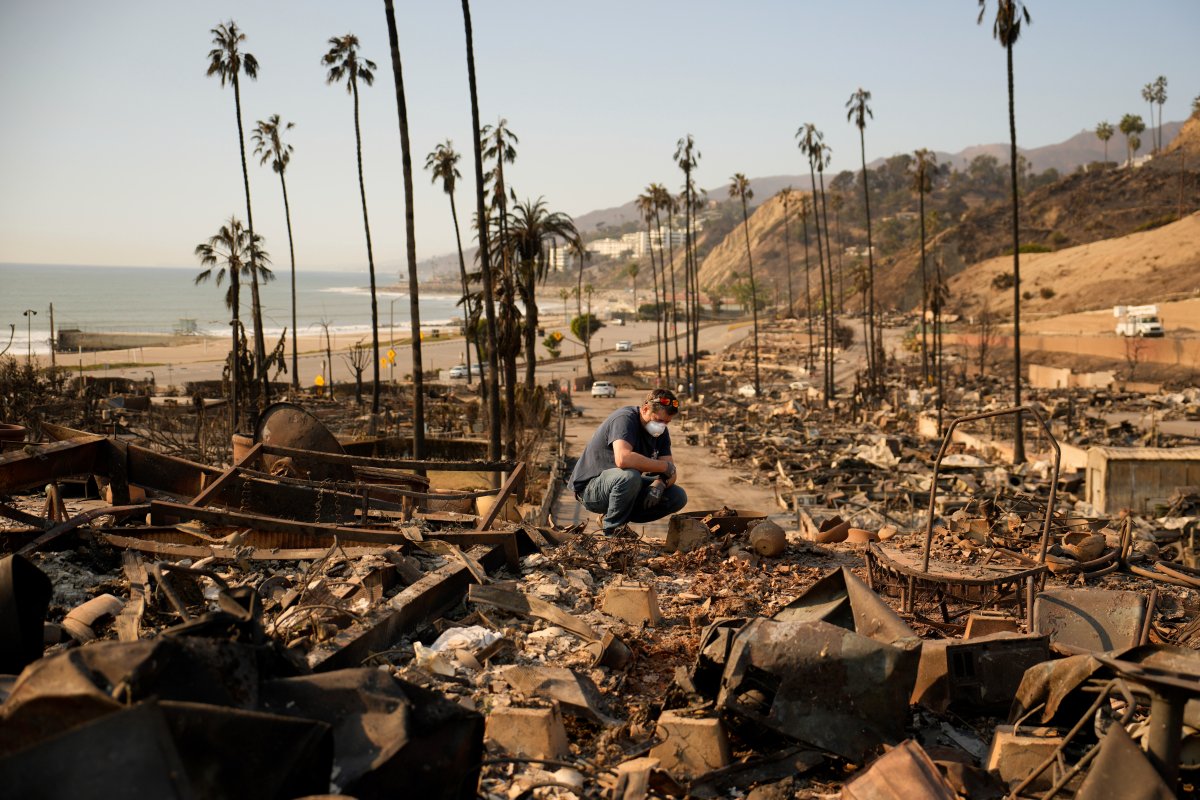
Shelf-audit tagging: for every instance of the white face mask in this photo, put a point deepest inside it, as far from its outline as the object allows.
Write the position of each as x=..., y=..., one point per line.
x=655, y=428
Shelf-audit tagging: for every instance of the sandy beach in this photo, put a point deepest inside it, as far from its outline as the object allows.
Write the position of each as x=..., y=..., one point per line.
x=174, y=366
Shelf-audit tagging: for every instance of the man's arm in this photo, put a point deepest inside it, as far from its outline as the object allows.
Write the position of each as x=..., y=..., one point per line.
x=626, y=458
x=672, y=474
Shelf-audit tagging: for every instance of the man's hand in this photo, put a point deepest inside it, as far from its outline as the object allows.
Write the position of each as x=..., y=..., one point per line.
x=654, y=493
x=668, y=475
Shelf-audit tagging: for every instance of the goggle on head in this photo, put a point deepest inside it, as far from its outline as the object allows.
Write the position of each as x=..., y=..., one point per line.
x=668, y=403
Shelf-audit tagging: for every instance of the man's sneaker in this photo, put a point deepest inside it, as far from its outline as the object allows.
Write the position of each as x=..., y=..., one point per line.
x=621, y=532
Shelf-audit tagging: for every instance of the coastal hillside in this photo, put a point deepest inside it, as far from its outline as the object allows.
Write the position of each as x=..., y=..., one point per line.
x=1080, y=209
x=1149, y=210
x=1076, y=151
x=726, y=261
x=1186, y=143
x=1089, y=223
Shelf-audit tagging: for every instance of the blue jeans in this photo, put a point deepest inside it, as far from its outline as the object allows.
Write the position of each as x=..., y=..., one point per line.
x=618, y=495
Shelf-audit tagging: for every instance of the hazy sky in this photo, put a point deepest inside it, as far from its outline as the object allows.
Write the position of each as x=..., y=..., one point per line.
x=118, y=150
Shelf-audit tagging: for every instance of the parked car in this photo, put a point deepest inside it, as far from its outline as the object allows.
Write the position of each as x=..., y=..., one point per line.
x=459, y=371
x=603, y=389
x=624, y=346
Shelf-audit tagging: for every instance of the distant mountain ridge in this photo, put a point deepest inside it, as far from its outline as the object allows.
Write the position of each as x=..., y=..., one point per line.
x=1065, y=156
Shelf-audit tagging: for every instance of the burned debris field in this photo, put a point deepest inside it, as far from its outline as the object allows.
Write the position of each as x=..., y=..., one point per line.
x=868, y=609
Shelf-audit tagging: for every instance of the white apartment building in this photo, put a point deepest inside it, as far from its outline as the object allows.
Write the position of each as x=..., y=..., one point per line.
x=637, y=244
x=559, y=259
x=608, y=248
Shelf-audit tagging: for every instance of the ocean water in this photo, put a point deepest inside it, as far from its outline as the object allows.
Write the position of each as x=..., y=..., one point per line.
x=156, y=299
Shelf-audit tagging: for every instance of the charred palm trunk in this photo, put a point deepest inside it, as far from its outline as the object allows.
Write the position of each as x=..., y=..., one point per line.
x=329, y=359
x=787, y=249
x=695, y=318
x=753, y=296
x=287, y=215
x=873, y=366
x=925, y=373
x=837, y=222
x=414, y=300
x=235, y=372
x=512, y=340
x=821, y=269
x=531, y=325
x=657, y=308
x=362, y=189
x=808, y=294
x=586, y=323
x=260, y=358
x=674, y=310
x=830, y=317
x=687, y=287
x=1018, y=434
x=468, y=334
x=693, y=301
x=938, y=343
x=861, y=275
x=493, y=387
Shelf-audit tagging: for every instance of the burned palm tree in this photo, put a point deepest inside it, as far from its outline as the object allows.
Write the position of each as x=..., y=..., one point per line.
x=442, y=164
x=233, y=253
x=269, y=146
x=739, y=189
x=345, y=64
x=923, y=164
x=531, y=228
x=228, y=62
x=410, y=229
x=485, y=262
x=858, y=111
x=1006, y=29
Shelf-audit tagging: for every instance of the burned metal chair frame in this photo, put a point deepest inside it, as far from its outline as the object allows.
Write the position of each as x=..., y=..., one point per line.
x=983, y=591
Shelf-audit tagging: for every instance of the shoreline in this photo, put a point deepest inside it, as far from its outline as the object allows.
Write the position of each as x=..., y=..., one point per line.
x=172, y=366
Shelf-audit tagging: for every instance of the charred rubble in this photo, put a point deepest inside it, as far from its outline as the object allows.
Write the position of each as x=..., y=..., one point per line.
x=916, y=616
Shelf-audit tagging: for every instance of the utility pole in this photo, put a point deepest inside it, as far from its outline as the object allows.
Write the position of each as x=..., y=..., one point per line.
x=53, y=343
x=29, y=315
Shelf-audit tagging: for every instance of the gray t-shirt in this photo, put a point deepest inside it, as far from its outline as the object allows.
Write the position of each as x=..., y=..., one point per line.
x=624, y=423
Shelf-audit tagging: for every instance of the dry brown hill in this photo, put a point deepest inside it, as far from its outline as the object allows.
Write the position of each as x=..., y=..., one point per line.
x=1187, y=142
x=728, y=257
x=1079, y=209
x=1147, y=267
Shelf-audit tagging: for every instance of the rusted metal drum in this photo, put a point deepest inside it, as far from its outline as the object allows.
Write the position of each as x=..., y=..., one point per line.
x=289, y=425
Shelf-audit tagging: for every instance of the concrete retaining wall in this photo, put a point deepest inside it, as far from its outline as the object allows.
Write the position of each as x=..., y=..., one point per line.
x=1168, y=350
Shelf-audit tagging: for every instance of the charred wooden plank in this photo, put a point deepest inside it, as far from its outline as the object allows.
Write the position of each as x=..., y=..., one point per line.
x=416, y=606
x=37, y=465
x=144, y=544
x=162, y=510
x=506, y=539
x=516, y=480
x=241, y=538
x=390, y=463
x=216, y=486
x=177, y=476
x=25, y=518
x=78, y=520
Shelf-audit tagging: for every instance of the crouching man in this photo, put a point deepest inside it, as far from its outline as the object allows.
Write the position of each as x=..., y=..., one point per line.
x=626, y=473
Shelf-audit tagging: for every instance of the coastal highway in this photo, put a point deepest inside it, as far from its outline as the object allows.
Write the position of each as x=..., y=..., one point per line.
x=175, y=366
